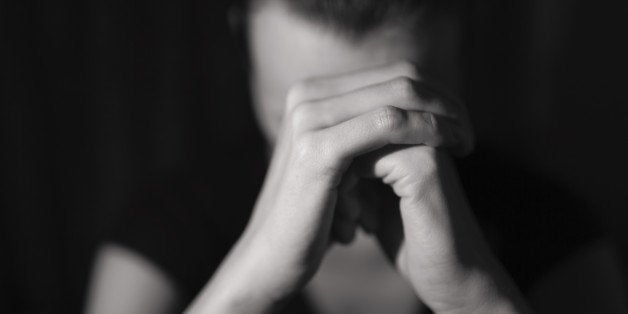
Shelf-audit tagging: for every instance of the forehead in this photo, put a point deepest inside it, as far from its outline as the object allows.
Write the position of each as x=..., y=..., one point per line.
x=286, y=48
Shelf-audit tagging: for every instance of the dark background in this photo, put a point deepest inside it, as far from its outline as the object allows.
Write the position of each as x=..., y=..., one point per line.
x=99, y=96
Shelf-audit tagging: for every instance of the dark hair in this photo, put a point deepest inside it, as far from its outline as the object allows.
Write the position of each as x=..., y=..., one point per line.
x=357, y=17
x=353, y=18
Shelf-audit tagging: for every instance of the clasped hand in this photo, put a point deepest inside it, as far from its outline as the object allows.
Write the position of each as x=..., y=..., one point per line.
x=386, y=123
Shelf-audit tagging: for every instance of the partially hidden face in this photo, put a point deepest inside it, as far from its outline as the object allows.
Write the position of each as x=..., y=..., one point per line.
x=285, y=48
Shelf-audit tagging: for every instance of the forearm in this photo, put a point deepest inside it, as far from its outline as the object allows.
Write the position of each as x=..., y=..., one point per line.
x=273, y=258
x=239, y=285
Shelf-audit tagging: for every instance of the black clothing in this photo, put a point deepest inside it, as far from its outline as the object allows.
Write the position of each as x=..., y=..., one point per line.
x=187, y=226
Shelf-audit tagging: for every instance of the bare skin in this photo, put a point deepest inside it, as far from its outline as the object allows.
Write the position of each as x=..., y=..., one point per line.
x=331, y=122
x=338, y=113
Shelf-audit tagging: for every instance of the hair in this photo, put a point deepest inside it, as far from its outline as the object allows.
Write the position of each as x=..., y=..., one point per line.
x=351, y=18
x=358, y=17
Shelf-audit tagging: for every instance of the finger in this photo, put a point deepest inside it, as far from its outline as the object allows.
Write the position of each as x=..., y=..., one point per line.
x=364, y=166
x=400, y=92
x=328, y=86
x=383, y=126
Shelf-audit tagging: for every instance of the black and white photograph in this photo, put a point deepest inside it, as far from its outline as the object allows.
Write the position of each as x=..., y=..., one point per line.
x=313, y=156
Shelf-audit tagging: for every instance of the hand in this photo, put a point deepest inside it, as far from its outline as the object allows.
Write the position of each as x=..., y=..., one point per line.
x=329, y=122
x=432, y=235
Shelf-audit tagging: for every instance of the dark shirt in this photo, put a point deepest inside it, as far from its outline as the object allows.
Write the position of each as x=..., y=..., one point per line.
x=187, y=225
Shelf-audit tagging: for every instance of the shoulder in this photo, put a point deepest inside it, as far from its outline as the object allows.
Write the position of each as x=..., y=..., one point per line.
x=186, y=223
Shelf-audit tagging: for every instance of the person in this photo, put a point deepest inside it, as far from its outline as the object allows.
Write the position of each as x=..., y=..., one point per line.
x=358, y=102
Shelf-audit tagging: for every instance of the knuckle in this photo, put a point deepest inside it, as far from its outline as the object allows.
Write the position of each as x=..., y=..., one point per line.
x=389, y=118
x=297, y=93
x=301, y=116
x=420, y=167
x=405, y=87
x=408, y=68
x=315, y=151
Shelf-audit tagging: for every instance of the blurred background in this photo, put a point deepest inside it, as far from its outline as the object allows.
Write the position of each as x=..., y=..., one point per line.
x=98, y=97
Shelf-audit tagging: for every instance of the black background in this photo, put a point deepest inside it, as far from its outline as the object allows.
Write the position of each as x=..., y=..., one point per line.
x=99, y=96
